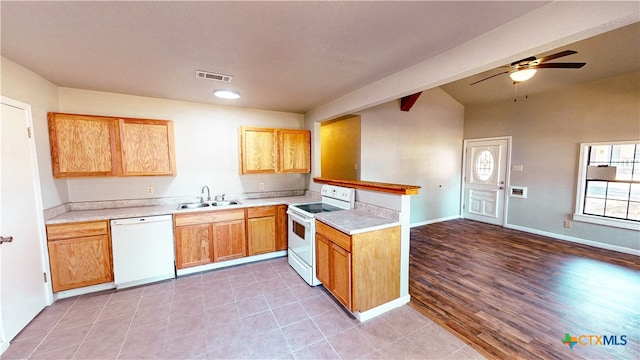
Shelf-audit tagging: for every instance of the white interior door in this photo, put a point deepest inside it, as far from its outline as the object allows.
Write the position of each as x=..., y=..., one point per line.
x=485, y=180
x=23, y=293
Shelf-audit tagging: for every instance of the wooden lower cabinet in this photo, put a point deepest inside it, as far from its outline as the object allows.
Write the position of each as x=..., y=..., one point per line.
x=261, y=229
x=362, y=270
x=194, y=245
x=229, y=240
x=204, y=237
x=79, y=254
x=282, y=231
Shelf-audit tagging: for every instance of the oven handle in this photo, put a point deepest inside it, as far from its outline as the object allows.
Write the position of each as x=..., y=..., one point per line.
x=298, y=217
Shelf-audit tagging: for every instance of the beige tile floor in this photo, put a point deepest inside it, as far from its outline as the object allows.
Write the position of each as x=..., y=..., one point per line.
x=255, y=311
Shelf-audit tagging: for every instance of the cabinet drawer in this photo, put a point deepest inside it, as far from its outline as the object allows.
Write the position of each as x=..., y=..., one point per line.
x=208, y=217
x=261, y=211
x=339, y=238
x=79, y=229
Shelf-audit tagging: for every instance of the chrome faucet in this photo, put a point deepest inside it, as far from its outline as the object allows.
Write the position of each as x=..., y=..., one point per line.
x=208, y=194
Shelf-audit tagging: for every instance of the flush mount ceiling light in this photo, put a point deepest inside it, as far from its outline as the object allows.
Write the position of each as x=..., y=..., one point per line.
x=226, y=94
x=522, y=75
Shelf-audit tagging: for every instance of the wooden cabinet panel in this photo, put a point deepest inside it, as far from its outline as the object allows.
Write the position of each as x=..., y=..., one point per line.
x=267, y=150
x=193, y=245
x=87, y=145
x=341, y=275
x=282, y=231
x=147, y=147
x=376, y=267
x=82, y=145
x=229, y=240
x=323, y=253
x=78, y=262
x=294, y=150
x=258, y=150
x=340, y=238
x=74, y=230
x=261, y=235
x=207, y=217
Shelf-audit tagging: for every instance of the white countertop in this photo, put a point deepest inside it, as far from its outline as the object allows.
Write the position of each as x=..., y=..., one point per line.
x=142, y=211
x=348, y=221
x=355, y=221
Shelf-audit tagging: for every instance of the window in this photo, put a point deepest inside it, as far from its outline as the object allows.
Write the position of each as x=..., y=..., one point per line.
x=609, y=184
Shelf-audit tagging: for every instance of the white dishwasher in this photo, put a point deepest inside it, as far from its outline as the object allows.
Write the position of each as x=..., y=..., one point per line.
x=142, y=250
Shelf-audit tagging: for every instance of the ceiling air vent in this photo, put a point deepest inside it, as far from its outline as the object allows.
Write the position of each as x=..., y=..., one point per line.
x=213, y=76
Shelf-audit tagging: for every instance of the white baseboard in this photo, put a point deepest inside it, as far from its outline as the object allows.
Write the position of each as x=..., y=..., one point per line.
x=433, y=221
x=85, y=290
x=575, y=240
x=379, y=310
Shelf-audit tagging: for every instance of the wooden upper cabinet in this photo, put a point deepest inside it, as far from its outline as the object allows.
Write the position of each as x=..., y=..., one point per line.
x=87, y=145
x=267, y=150
x=258, y=148
x=83, y=145
x=294, y=149
x=147, y=147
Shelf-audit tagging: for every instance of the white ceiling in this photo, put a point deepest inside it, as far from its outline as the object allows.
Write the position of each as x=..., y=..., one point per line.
x=285, y=56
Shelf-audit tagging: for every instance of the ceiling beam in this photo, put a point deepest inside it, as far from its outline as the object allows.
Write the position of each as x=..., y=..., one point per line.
x=407, y=102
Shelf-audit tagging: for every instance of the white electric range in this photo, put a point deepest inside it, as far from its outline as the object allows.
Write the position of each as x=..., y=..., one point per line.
x=302, y=228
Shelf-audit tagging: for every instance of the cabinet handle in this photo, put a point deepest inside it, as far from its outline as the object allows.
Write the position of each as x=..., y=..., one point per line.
x=4, y=239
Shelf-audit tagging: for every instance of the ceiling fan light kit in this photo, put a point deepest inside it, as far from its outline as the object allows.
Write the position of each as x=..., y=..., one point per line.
x=523, y=70
x=522, y=75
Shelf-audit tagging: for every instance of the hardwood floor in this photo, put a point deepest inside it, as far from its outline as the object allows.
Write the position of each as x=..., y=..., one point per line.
x=511, y=294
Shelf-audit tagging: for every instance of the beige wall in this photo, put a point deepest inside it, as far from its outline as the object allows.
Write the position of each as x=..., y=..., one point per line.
x=340, y=143
x=19, y=83
x=419, y=147
x=206, y=140
x=546, y=129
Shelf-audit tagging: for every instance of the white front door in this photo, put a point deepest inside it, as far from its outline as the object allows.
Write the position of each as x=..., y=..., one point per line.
x=485, y=180
x=23, y=293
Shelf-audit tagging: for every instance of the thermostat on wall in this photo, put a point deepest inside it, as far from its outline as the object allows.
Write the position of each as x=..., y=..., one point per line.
x=518, y=191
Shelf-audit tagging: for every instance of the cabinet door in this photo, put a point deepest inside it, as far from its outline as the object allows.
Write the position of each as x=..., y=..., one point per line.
x=79, y=262
x=82, y=145
x=229, y=240
x=323, y=267
x=258, y=150
x=294, y=148
x=193, y=245
x=282, y=231
x=147, y=147
x=341, y=274
x=261, y=235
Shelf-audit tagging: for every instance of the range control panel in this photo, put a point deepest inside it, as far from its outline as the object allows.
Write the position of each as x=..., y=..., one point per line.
x=339, y=193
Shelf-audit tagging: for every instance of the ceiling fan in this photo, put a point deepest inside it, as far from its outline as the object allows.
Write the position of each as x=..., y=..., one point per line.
x=523, y=70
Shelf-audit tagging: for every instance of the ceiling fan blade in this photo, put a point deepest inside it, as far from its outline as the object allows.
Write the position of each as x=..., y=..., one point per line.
x=487, y=78
x=559, y=66
x=558, y=55
x=523, y=61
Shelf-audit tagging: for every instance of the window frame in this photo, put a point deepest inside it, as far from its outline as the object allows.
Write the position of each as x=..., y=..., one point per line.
x=581, y=190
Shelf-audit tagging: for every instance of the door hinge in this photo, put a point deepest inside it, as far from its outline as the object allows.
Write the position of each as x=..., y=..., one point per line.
x=45, y=276
x=29, y=132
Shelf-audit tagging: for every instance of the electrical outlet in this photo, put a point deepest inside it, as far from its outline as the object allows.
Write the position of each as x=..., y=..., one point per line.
x=261, y=186
x=567, y=224
x=150, y=190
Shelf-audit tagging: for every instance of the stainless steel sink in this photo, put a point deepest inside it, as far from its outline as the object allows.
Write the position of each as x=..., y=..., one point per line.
x=197, y=205
x=224, y=203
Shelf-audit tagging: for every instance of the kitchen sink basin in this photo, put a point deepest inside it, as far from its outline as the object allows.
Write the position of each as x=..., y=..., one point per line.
x=197, y=205
x=193, y=205
x=224, y=203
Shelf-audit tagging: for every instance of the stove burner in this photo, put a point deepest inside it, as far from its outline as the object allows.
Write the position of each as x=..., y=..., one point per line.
x=316, y=208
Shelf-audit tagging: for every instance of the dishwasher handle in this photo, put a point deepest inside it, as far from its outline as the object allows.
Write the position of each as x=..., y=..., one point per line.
x=141, y=220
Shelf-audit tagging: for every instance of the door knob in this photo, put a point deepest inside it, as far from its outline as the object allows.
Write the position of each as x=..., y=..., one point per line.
x=501, y=187
x=4, y=239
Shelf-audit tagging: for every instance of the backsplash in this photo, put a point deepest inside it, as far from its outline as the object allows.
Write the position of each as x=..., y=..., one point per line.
x=115, y=204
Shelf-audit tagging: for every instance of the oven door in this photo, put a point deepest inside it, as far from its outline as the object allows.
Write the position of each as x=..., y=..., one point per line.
x=301, y=232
